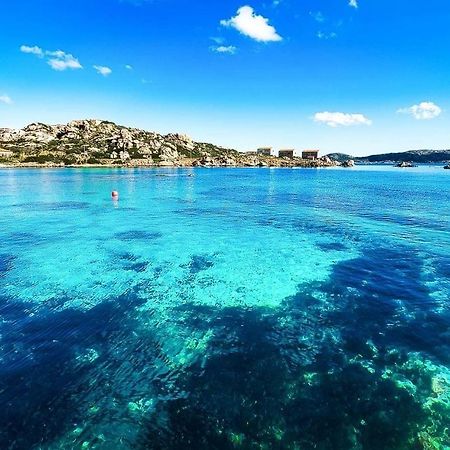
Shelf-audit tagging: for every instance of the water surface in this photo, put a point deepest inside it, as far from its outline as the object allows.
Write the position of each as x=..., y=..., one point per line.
x=225, y=308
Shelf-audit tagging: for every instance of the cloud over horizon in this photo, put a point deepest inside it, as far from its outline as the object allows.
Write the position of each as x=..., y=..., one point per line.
x=422, y=111
x=336, y=119
x=248, y=23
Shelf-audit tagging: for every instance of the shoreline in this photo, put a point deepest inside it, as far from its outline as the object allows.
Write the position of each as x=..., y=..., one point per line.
x=116, y=166
x=301, y=164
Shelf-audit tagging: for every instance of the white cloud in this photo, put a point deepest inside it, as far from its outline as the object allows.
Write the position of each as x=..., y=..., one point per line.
x=218, y=40
x=230, y=49
x=128, y=67
x=335, y=119
x=103, y=70
x=6, y=99
x=422, y=111
x=317, y=16
x=252, y=25
x=323, y=35
x=353, y=3
x=57, y=60
x=35, y=50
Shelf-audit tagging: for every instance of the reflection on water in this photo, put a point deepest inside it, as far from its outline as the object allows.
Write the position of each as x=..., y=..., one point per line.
x=249, y=309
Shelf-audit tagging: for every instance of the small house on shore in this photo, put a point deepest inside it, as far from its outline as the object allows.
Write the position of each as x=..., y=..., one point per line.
x=286, y=153
x=310, y=154
x=264, y=151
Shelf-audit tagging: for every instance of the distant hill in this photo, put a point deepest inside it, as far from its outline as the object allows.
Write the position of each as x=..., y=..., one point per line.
x=415, y=156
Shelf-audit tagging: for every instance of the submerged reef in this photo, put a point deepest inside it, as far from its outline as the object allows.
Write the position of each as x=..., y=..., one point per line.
x=341, y=365
x=359, y=361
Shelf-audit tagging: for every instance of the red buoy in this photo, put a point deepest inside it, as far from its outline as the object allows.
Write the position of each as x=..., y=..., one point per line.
x=115, y=195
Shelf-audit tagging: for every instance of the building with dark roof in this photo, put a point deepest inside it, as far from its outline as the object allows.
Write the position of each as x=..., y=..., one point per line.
x=310, y=154
x=286, y=153
x=265, y=151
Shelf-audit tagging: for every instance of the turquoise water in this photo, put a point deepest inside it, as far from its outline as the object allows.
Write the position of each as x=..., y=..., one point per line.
x=225, y=308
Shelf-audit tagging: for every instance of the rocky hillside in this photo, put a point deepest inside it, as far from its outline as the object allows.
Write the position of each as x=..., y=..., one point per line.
x=98, y=142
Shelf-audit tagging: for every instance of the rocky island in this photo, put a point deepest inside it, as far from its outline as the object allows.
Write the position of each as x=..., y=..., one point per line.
x=103, y=143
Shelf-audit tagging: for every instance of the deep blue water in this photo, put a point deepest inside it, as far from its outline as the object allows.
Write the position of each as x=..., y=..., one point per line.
x=225, y=308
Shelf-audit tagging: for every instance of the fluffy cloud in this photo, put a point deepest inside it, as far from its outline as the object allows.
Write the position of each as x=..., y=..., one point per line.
x=230, y=49
x=128, y=67
x=60, y=61
x=353, y=3
x=335, y=119
x=422, y=111
x=103, y=70
x=6, y=99
x=247, y=22
x=57, y=60
x=35, y=50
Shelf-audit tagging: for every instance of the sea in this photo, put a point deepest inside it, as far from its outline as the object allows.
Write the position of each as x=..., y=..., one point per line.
x=225, y=308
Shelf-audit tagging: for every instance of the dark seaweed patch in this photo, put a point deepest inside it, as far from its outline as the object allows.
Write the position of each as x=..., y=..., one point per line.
x=138, y=266
x=127, y=256
x=41, y=383
x=248, y=395
x=6, y=264
x=198, y=263
x=332, y=246
x=131, y=262
x=138, y=235
x=443, y=267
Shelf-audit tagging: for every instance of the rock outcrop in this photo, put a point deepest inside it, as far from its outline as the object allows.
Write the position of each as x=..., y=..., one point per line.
x=348, y=163
x=103, y=143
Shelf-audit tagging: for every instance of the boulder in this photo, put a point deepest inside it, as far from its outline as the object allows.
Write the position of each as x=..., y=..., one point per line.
x=404, y=164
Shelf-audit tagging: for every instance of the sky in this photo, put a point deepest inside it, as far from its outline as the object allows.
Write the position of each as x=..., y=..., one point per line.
x=353, y=76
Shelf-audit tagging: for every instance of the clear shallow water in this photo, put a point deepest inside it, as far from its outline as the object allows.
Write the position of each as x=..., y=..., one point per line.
x=225, y=308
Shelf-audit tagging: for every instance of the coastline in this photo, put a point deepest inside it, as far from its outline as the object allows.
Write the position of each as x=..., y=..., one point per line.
x=295, y=163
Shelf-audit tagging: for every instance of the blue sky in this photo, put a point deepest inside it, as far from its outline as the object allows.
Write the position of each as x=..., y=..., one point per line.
x=356, y=76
